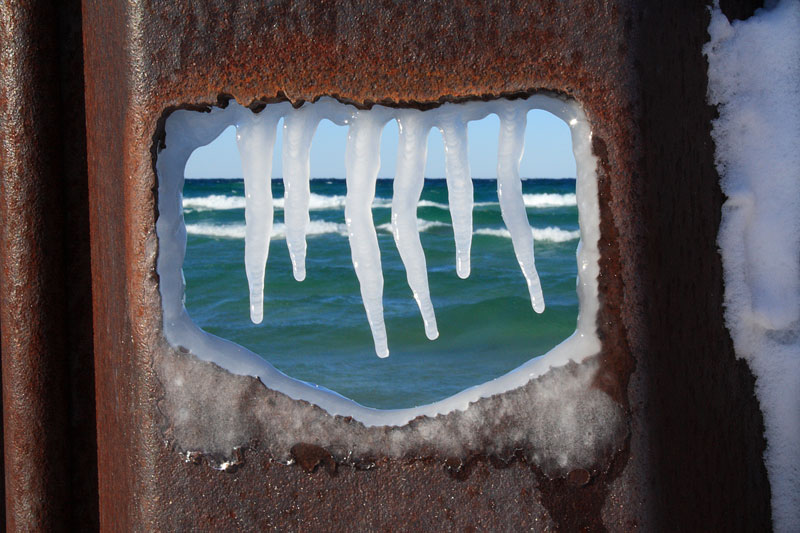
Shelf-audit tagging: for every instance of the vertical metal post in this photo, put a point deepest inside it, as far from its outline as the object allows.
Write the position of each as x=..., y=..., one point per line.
x=45, y=308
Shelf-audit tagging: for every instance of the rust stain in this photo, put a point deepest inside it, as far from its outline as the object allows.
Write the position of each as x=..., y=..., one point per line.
x=310, y=456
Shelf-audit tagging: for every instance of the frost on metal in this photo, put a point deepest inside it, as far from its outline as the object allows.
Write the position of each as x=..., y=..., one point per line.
x=559, y=421
x=546, y=406
x=754, y=79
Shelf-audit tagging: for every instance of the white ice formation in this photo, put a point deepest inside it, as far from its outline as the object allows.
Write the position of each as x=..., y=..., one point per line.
x=187, y=130
x=754, y=79
x=255, y=137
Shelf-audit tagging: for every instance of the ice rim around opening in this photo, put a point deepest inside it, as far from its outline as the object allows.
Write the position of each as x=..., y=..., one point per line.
x=186, y=130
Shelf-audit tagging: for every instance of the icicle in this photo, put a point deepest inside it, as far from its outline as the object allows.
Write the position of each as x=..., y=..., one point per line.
x=509, y=191
x=362, y=162
x=298, y=131
x=459, y=183
x=408, y=182
x=255, y=137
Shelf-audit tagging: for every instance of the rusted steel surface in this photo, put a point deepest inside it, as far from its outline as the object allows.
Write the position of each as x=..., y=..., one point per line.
x=123, y=465
x=209, y=406
x=2, y=444
x=703, y=420
x=394, y=496
x=48, y=400
x=637, y=70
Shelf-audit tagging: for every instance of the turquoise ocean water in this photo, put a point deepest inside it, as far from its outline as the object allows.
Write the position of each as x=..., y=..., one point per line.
x=317, y=331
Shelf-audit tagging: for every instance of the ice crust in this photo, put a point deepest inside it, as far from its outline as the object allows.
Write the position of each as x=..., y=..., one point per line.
x=558, y=421
x=754, y=79
x=187, y=130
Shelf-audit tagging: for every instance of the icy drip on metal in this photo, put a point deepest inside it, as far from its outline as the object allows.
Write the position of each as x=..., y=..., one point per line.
x=256, y=138
x=509, y=192
x=362, y=163
x=299, y=126
x=453, y=126
x=187, y=130
x=408, y=183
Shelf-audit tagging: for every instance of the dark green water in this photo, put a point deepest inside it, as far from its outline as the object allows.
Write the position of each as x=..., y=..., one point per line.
x=317, y=330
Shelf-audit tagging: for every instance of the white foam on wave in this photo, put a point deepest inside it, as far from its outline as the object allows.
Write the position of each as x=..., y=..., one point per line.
x=540, y=200
x=549, y=200
x=428, y=203
x=226, y=231
x=315, y=227
x=319, y=202
x=548, y=234
x=422, y=225
x=237, y=231
x=321, y=227
x=214, y=202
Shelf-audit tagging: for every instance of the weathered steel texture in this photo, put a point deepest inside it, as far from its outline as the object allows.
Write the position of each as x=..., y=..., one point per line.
x=34, y=396
x=704, y=422
x=171, y=58
x=634, y=66
x=125, y=470
x=400, y=495
x=203, y=405
x=76, y=273
x=2, y=445
x=48, y=400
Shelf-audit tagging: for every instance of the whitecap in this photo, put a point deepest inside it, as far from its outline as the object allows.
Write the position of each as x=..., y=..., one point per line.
x=540, y=200
x=319, y=202
x=548, y=234
x=227, y=231
x=422, y=225
x=549, y=200
x=214, y=202
x=236, y=231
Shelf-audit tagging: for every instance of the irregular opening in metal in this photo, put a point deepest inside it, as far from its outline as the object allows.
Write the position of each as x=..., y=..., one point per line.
x=315, y=330
x=186, y=130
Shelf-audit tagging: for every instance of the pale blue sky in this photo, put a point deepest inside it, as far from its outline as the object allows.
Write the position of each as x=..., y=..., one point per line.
x=548, y=151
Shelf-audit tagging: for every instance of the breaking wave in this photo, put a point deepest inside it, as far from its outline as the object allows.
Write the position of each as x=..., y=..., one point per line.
x=548, y=234
x=319, y=202
x=320, y=227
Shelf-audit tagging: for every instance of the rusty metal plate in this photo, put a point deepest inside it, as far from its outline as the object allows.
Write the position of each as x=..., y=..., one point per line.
x=632, y=70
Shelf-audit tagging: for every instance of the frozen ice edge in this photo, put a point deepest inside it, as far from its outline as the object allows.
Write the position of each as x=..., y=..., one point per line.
x=187, y=130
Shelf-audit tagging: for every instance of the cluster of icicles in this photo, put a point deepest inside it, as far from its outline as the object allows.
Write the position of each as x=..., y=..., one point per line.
x=256, y=132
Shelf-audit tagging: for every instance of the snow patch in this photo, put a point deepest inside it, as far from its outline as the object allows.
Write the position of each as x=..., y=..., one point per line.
x=754, y=80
